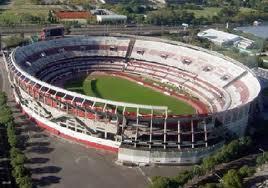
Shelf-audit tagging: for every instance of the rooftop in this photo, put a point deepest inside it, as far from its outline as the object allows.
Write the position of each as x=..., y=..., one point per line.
x=218, y=36
x=73, y=14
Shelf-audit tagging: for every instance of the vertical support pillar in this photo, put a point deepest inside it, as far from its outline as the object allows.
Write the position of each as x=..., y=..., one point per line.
x=137, y=129
x=115, y=111
x=136, y=137
x=105, y=134
x=44, y=98
x=137, y=115
x=0, y=41
x=165, y=130
x=206, y=134
x=124, y=121
x=38, y=96
x=67, y=108
x=151, y=129
x=179, y=134
x=192, y=131
x=75, y=126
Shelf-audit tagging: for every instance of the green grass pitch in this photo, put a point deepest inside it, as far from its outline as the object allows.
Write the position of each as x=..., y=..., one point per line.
x=119, y=89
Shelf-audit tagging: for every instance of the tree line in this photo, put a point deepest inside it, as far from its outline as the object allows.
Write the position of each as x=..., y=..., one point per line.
x=21, y=174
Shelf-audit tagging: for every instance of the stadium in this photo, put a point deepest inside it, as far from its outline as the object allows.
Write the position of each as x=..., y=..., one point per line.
x=151, y=100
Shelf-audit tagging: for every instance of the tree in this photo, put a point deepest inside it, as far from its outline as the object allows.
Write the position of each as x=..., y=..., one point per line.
x=232, y=179
x=227, y=13
x=51, y=18
x=14, y=152
x=209, y=163
x=25, y=182
x=5, y=114
x=160, y=182
x=184, y=177
x=20, y=159
x=246, y=171
x=3, y=98
x=211, y=185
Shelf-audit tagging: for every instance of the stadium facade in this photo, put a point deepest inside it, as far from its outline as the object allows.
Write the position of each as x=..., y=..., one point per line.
x=139, y=133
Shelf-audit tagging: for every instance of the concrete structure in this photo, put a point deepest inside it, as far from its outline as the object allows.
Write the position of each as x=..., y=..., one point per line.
x=140, y=133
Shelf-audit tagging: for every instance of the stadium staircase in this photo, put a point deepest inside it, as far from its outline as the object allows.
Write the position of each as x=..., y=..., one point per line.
x=68, y=118
x=130, y=48
x=235, y=79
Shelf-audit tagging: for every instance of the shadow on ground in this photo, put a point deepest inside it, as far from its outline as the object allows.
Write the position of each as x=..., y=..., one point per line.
x=36, y=145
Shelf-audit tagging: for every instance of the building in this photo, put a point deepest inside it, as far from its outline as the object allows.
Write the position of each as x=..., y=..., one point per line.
x=73, y=16
x=111, y=18
x=224, y=91
x=226, y=39
x=244, y=44
x=219, y=37
x=107, y=16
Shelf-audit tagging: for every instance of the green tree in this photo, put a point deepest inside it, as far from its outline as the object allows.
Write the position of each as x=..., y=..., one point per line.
x=51, y=18
x=20, y=159
x=160, y=182
x=5, y=114
x=232, y=180
x=25, y=182
x=3, y=98
x=246, y=171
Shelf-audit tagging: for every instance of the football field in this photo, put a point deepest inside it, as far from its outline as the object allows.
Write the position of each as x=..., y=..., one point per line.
x=123, y=90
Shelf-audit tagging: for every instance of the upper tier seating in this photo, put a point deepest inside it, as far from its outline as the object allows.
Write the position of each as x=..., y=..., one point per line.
x=206, y=66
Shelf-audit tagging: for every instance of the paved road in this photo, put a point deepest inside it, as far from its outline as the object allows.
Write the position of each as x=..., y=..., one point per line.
x=96, y=29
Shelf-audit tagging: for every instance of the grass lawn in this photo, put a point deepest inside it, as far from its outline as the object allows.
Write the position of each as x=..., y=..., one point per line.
x=206, y=12
x=20, y=11
x=213, y=11
x=119, y=89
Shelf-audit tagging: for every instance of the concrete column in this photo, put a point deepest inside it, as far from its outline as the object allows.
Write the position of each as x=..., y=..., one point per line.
x=179, y=135
x=105, y=130
x=136, y=137
x=137, y=120
x=165, y=133
x=52, y=101
x=0, y=41
x=165, y=130
x=192, y=130
x=137, y=129
x=151, y=129
x=206, y=134
x=67, y=108
x=75, y=126
x=115, y=111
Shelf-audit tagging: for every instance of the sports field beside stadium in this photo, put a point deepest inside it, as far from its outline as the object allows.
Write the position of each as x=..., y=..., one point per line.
x=120, y=89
